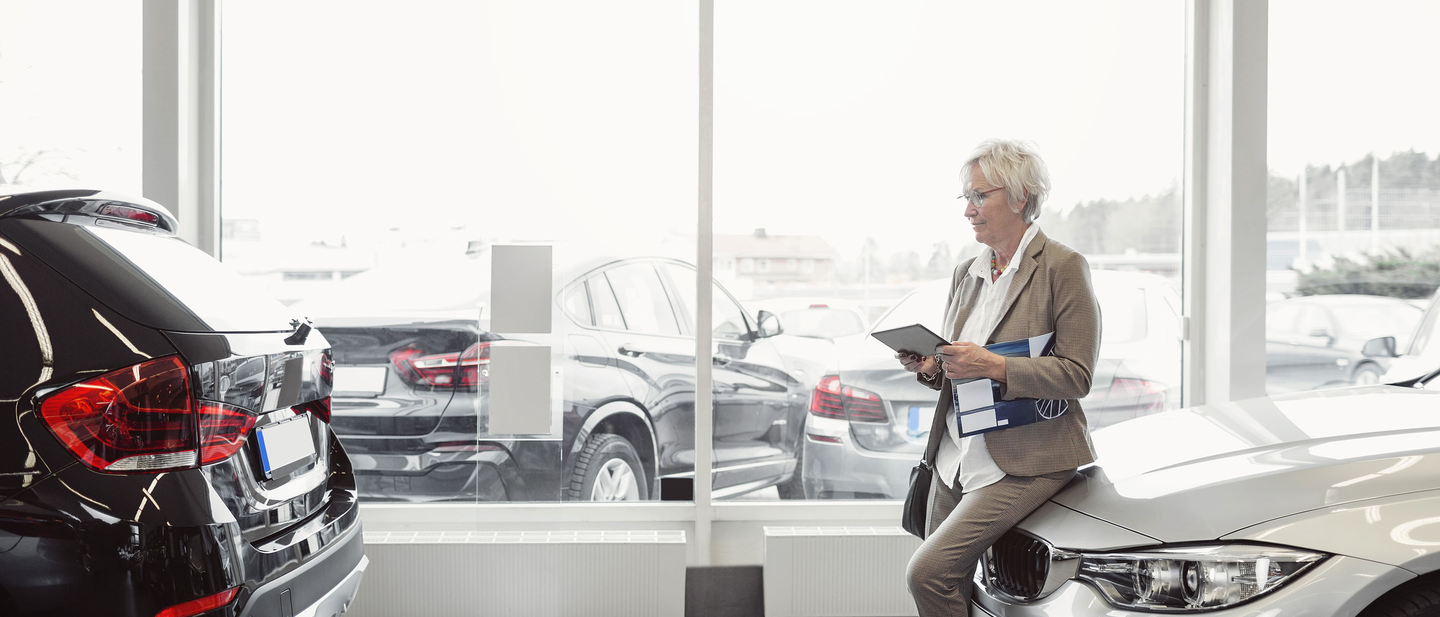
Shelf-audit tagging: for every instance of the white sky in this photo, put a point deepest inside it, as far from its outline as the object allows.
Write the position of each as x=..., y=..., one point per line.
x=576, y=120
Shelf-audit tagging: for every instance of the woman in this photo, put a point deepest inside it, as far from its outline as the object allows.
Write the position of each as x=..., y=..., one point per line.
x=1023, y=285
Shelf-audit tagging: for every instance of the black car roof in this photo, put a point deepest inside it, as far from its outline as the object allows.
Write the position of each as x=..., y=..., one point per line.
x=13, y=197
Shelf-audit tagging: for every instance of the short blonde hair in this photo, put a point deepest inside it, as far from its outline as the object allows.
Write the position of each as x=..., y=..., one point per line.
x=1015, y=165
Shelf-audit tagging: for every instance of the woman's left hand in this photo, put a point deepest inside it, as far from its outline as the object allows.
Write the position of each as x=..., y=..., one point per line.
x=968, y=360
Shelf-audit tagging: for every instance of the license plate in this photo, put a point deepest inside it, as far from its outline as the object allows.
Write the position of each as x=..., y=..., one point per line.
x=921, y=416
x=284, y=445
x=360, y=379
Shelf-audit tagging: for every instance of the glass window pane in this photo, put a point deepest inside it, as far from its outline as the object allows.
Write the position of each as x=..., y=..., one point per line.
x=728, y=319
x=577, y=304
x=643, y=301
x=1353, y=231
x=1122, y=312
x=70, y=94
x=607, y=310
x=837, y=166
x=375, y=162
x=1281, y=318
x=822, y=322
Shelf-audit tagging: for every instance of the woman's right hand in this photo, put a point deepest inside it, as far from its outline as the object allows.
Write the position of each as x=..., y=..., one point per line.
x=916, y=363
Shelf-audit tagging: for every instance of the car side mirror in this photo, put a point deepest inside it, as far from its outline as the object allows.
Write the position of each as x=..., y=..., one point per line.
x=769, y=324
x=1383, y=347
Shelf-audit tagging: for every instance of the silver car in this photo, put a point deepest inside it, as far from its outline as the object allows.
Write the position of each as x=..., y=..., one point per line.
x=1333, y=498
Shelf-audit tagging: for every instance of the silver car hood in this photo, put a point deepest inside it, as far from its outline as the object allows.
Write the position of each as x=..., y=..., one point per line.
x=1203, y=472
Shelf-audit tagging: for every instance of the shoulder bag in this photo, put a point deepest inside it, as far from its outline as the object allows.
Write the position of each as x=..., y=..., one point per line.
x=917, y=500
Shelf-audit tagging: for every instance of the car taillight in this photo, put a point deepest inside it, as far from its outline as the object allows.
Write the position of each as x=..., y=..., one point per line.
x=474, y=363
x=825, y=400
x=863, y=405
x=126, y=212
x=202, y=605
x=319, y=408
x=223, y=429
x=443, y=370
x=133, y=419
x=143, y=418
x=1151, y=394
x=327, y=368
x=831, y=399
x=1134, y=387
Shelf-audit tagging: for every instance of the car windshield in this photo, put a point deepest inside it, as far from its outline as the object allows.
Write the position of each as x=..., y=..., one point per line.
x=1426, y=330
x=924, y=306
x=821, y=322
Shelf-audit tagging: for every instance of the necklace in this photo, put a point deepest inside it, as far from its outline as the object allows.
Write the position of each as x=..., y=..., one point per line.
x=996, y=270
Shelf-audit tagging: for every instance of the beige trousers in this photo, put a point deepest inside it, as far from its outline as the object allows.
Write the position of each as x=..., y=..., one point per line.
x=961, y=528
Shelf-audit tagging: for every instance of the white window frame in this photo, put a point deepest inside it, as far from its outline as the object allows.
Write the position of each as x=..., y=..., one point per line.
x=1225, y=167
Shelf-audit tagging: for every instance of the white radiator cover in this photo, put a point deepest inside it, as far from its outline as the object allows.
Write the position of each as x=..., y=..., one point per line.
x=544, y=574
x=837, y=571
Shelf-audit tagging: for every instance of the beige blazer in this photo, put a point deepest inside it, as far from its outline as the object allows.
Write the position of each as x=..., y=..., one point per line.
x=1051, y=292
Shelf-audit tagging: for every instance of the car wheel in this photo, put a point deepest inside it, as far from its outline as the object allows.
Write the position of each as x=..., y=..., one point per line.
x=1421, y=601
x=607, y=469
x=1368, y=375
x=794, y=488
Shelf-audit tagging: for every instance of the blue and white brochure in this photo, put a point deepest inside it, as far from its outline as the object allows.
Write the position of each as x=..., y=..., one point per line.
x=976, y=402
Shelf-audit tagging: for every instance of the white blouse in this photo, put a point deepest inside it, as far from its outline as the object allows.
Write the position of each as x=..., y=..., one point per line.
x=965, y=458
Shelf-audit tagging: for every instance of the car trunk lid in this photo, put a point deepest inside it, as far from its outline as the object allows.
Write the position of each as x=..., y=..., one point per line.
x=398, y=379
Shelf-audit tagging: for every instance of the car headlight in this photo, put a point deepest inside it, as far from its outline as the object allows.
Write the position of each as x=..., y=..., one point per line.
x=1192, y=578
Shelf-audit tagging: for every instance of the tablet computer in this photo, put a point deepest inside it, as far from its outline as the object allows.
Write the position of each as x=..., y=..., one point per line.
x=916, y=339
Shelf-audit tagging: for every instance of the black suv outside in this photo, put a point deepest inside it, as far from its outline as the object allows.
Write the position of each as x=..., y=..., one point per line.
x=412, y=349
x=165, y=448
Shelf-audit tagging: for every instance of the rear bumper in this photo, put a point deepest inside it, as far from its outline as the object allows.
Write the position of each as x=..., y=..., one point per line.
x=76, y=555
x=321, y=587
x=486, y=476
x=843, y=470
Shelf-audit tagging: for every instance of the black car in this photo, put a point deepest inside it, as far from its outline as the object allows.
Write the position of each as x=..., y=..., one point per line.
x=412, y=349
x=165, y=448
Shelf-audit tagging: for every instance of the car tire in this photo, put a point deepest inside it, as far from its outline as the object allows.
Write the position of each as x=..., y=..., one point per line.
x=1366, y=375
x=1421, y=600
x=794, y=488
x=607, y=469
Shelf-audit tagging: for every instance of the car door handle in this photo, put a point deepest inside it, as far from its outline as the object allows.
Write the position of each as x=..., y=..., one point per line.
x=627, y=350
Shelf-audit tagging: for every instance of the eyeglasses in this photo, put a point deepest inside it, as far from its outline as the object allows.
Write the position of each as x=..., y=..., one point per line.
x=977, y=198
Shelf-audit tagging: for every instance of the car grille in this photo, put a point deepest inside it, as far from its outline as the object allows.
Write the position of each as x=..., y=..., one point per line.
x=1017, y=565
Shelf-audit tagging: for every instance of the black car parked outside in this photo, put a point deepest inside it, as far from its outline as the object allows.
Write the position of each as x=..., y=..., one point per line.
x=165, y=448
x=412, y=349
